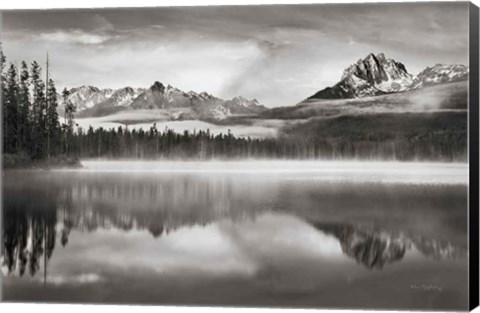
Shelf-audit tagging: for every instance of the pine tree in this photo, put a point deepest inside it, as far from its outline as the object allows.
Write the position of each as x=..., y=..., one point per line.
x=24, y=118
x=65, y=102
x=69, y=111
x=3, y=90
x=3, y=60
x=39, y=104
x=52, y=124
x=10, y=111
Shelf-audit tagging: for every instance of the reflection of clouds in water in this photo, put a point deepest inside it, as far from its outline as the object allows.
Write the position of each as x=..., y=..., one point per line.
x=90, y=278
x=187, y=251
x=285, y=235
x=223, y=248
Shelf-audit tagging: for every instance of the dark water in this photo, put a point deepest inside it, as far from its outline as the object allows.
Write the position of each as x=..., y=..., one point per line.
x=275, y=239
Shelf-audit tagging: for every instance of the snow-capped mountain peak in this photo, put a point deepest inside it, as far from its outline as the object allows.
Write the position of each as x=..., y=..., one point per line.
x=88, y=96
x=92, y=101
x=386, y=75
x=370, y=76
x=376, y=75
x=440, y=73
x=124, y=96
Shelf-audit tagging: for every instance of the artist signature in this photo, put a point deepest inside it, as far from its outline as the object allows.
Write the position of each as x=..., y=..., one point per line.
x=423, y=287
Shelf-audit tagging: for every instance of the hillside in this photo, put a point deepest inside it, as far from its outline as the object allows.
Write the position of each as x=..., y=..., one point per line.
x=450, y=96
x=438, y=136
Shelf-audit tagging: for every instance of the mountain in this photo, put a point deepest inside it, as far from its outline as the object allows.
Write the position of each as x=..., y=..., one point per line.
x=371, y=76
x=440, y=74
x=91, y=101
x=86, y=97
x=448, y=96
x=122, y=97
x=241, y=105
x=104, y=103
x=377, y=75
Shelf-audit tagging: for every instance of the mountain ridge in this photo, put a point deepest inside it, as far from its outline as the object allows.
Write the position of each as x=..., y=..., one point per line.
x=91, y=101
x=373, y=76
x=378, y=75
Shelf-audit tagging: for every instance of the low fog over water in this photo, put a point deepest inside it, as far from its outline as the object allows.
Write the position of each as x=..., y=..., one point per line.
x=353, y=171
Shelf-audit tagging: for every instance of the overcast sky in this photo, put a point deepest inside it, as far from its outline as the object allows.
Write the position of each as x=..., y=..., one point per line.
x=277, y=54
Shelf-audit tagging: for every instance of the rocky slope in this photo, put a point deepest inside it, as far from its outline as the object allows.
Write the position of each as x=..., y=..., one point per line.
x=440, y=74
x=91, y=101
x=371, y=76
x=377, y=75
x=86, y=97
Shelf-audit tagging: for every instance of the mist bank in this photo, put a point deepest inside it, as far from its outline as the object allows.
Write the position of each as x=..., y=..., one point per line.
x=144, y=119
x=301, y=170
x=432, y=136
x=436, y=136
x=444, y=97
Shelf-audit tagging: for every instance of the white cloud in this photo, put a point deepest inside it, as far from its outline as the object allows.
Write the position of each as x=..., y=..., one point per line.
x=74, y=37
x=278, y=56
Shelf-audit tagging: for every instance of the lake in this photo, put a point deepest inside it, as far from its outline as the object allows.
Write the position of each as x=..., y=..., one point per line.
x=279, y=234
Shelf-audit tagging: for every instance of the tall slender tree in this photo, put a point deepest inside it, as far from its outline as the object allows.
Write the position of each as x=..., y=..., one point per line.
x=3, y=61
x=39, y=105
x=53, y=125
x=10, y=118
x=2, y=88
x=68, y=119
x=24, y=117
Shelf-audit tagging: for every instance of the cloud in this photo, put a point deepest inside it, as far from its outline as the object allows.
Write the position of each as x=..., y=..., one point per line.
x=74, y=37
x=277, y=54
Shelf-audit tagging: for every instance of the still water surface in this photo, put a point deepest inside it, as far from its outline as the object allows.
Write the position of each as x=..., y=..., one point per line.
x=292, y=234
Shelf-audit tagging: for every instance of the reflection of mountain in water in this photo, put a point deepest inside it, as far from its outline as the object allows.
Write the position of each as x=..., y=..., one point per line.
x=372, y=249
x=375, y=249
x=35, y=218
x=438, y=249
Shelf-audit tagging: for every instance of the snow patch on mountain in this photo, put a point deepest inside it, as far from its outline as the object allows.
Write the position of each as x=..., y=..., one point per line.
x=92, y=101
x=439, y=74
x=386, y=75
x=377, y=75
x=85, y=97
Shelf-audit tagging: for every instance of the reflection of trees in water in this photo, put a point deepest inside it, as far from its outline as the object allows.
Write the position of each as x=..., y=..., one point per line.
x=158, y=206
x=375, y=248
x=29, y=232
x=33, y=215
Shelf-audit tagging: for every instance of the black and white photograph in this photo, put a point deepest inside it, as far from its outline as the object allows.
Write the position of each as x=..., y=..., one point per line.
x=272, y=156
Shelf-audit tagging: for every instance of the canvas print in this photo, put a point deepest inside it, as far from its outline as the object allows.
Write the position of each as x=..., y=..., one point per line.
x=311, y=156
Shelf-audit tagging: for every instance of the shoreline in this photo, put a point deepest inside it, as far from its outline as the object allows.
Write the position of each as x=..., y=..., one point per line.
x=19, y=162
